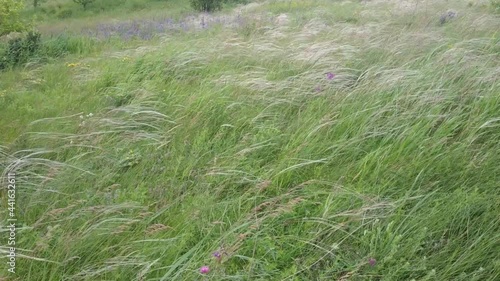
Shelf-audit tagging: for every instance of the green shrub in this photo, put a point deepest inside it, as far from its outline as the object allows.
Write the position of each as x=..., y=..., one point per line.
x=236, y=1
x=84, y=3
x=206, y=5
x=213, y=5
x=10, y=18
x=20, y=50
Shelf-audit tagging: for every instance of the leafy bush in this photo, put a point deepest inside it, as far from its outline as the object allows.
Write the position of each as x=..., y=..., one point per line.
x=84, y=3
x=10, y=18
x=236, y=1
x=213, y=5
x=206, y=5
x=20, y=50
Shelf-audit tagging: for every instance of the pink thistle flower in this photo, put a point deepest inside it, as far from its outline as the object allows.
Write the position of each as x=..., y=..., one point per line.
x=330, y=76
x=204, y=269
x=372, y=261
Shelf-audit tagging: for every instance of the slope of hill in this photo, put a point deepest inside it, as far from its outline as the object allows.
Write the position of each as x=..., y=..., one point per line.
x=280, y=140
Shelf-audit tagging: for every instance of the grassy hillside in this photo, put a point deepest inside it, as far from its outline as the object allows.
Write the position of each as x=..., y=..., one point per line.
x=296, y=140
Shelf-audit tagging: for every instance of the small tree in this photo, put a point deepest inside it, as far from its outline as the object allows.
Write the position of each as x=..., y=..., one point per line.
x=206, y=5
x=84, y=3
x=10, y=18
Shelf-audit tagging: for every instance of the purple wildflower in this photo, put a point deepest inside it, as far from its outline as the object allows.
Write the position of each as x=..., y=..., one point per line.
x=372, y=261
x=330, y=76
x=204, y=269
x=217, y=255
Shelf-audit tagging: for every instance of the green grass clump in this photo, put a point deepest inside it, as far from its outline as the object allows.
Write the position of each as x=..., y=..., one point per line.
x=302, y=140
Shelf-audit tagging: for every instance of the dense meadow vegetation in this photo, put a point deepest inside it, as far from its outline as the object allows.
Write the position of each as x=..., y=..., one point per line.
x=265, y=140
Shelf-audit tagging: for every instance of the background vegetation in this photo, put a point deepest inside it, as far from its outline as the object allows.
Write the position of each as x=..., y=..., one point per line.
x=296, y=140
